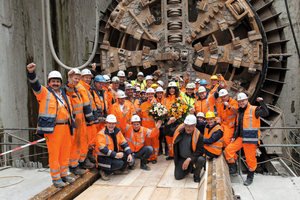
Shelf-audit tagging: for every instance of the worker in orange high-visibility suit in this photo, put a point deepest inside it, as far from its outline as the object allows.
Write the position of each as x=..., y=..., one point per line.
x=148, y=122
x=115, y=83
x=206, y=101
x=172, y=94
x=109, y=94
x=55, y=123
x=132, y=100
x=79, y=140
x=117, y=108
x=135, y=135
x=109, y=141
x=213, y=135
x=92, y=101
x=99, y=81
x=246, y=135
x=214, y=83
x=226, y=115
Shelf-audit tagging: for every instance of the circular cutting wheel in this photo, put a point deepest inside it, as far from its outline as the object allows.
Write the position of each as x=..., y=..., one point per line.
x=241, y=40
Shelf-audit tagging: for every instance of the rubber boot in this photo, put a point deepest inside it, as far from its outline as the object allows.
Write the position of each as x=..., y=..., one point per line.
x=249, y=179
x=232, y=169
x=91, y=156
x=144, y=164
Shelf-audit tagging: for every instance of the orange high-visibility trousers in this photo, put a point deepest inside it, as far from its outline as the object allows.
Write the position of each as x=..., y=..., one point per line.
x=79, y=144
x=154, y=143
x=59, y=145
x=227, y=135
x=249, y=150
x=92, y=132
x=170, y=145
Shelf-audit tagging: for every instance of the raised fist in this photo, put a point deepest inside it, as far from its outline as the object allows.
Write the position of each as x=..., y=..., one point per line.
x=31, y=67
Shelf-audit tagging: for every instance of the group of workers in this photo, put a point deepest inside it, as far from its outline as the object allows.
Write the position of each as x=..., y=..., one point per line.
x=107, y=124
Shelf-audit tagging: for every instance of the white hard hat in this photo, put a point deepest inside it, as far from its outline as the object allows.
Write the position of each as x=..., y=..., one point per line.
x=121, y=94
x=200, y=114
x=190, y=86
x=160, y=82
x=138, y=89
x=197, y=80
x=115, y=79
x=111, y=118
x=135, y=118
x=121, y=73
x=128, y=86
x=77, y=71
x=172, y=84
x=106, y=78
x=201, y=89
x=150, y=90
x=190, y=119
x=86, y=72
x=54, y=74
x=159, y=89
x=148, y=77
x=181, y=79
x=242, y=96
x=140, y=74
x=223, y=92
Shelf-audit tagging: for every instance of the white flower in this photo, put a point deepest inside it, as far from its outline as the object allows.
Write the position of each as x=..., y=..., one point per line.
x=151, y=110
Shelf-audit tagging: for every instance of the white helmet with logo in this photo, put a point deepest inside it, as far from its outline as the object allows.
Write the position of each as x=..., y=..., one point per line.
x=121, y=73
x=121, y=94
x=190, y=119
x=242, y=96
x=135, y=118
x=200, y=114
x=115, y=79
x=140, y=74
x=223, y=92
x=159, y=89
x=86, y=72
x=201, y=89
x=172, y=84
x=77, y=71
x=106, y=78
x=190, y=86
x=54, y=74
x=150, y=90
x=111, y=118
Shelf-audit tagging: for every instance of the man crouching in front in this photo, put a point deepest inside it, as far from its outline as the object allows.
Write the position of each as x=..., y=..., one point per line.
x=188, y=148
x=108, y=141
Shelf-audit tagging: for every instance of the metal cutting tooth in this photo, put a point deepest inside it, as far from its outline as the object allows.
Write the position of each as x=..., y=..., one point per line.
x=174, y=12
x=174, y=1
x=175, y=38
x=174, y=25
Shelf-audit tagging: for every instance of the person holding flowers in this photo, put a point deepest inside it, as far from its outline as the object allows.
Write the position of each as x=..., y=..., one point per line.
x=172, y=94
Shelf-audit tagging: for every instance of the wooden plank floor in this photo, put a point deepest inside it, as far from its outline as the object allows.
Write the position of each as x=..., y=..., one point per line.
x=158, y=183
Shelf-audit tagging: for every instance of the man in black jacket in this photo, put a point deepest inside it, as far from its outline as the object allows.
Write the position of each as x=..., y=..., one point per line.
x=188, y=147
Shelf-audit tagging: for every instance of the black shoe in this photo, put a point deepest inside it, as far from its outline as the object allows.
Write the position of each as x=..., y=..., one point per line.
x=249, y=179
x=169, y=158
x=144, y=165
x=154, y=161
x=232, y=169
x=197, y=179
x=131, y=167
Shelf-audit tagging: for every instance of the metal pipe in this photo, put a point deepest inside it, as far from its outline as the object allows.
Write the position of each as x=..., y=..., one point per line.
x=23, y=139
x=18, y=129
x=44, y=43
x=4, y=148
x=21, y=144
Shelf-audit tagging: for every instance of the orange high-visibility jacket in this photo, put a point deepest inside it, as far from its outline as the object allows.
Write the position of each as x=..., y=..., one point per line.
x=195, y=137
x=171, y=99
x=116, y=110
x=227, y=116
x=50, y=112
x=204, y=105
x=110, y=96
x=75, y=98
x=216, y=147
x=135, y=139
x=251, y=125
x=105, y=147
x=87, y=100
x=214, y=89
x=134, y=104
x=147, y=121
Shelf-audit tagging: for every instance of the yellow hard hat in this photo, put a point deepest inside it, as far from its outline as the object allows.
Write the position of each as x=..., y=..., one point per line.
x=210, y=114
x=154, y=85
x=214, y=77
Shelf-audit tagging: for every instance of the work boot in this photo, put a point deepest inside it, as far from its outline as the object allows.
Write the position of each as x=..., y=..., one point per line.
x=249, y=180
x=170, y=158
x=91, y=156
x=118, y=172
x=197, y=179
x=131, y=167
x=58, y=183
x=154, y=161
x=86, y=164
x=160, y=153
x=68, y=179
x=103, y=175
x=232, y=169
x=77, y=171
x=144, y=165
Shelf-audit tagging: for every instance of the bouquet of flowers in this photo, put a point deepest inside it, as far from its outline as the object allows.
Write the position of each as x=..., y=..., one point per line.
x=179, y=110
x=158, y=112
